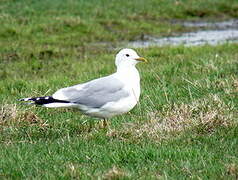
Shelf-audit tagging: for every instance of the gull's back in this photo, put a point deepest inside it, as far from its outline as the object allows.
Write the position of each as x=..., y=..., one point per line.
x=95, y=93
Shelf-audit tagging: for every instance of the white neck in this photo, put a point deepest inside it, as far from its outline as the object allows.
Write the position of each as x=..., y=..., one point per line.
x=130, y=76
x=128, y=72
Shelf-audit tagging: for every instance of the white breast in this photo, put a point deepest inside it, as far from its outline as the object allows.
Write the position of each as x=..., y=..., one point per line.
x=131, y=79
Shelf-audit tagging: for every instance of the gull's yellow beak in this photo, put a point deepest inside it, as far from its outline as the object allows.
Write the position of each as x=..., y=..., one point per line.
x=141, y=59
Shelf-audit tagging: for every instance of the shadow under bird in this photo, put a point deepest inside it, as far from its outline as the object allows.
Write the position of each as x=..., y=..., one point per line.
x=104, y=97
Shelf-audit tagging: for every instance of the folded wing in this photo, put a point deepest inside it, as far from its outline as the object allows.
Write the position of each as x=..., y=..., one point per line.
x=94, y=93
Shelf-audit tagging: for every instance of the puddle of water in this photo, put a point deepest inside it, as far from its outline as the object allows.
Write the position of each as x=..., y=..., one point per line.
x=212, y=37
x=218, y=33
x=231, y=24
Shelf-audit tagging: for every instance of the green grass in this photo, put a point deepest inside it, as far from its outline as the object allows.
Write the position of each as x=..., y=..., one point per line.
x=185, y=126
x=59, y=23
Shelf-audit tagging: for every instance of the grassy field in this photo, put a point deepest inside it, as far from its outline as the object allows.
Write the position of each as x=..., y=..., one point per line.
x=186, y=125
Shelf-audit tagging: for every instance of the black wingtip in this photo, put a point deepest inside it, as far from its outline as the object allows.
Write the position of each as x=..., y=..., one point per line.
x=24, y=99
x=43, y=100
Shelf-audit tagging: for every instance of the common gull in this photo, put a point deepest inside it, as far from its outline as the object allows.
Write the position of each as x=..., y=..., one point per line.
x=104, y=97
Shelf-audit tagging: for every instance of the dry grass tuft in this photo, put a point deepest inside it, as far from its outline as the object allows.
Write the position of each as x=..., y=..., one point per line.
x=235, y=85
x=202, y=116
x=73, y=170
x=31, y=118
x=11, y=115
x=115, y=173
x=232, y=170
x=8, y=112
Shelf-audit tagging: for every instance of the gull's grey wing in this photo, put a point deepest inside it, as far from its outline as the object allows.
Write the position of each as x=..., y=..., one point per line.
x=95, y=93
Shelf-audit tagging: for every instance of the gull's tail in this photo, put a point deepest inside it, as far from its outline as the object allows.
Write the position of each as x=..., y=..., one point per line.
x=47, y=101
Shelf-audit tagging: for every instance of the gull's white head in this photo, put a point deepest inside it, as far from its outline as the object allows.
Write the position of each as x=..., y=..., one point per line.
x=128, y=57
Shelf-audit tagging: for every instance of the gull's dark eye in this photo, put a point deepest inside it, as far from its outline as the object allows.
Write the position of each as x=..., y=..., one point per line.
x=127, y=55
